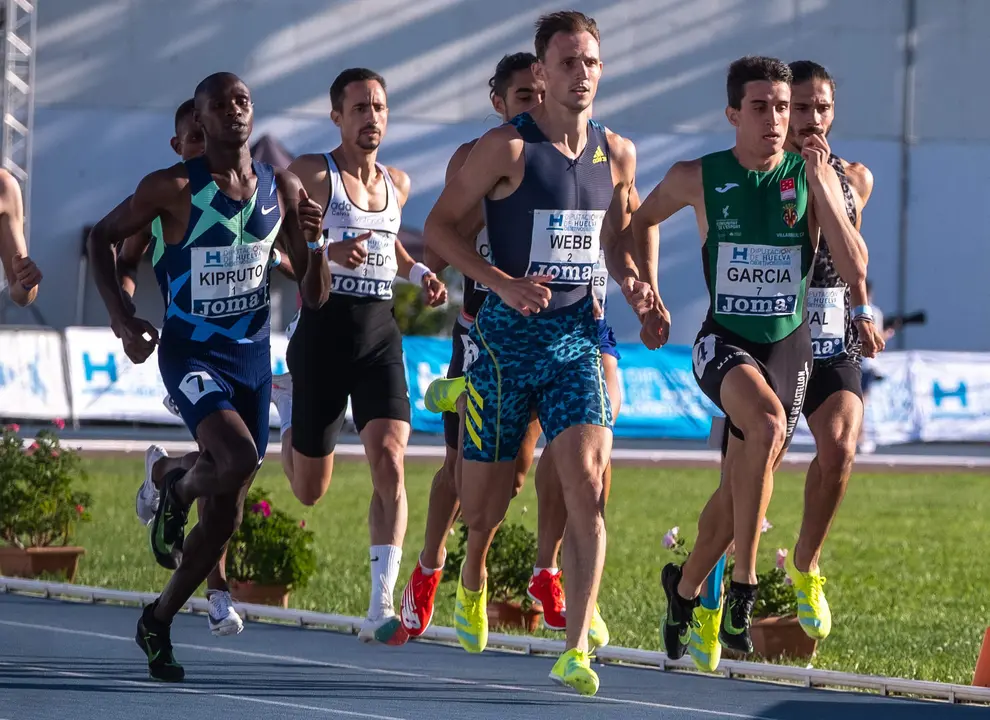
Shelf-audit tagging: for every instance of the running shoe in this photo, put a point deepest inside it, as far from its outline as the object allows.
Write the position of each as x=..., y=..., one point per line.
x=168, y=528
x=678, y=623
x=146, y=501
x=813, y=611
x=385, y=628
x=441, y=396
x=418, y=599
x=573, y=670
x=471, y=616
x=734, y=631
x=224, y=619
x=704, y=647
x=170, y=405
x=547, y=589
x=598, y=636
x=155, y=640
x=281, y=388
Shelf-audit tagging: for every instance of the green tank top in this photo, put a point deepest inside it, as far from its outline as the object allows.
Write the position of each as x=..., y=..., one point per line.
x=758, y=253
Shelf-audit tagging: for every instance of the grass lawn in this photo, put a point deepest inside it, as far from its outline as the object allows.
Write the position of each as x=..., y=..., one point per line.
x=905, y=562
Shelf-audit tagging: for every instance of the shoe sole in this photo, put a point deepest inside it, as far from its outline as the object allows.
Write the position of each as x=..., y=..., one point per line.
x=389, y=633
x=160, y=451
x=579, y=687
x=226, y=630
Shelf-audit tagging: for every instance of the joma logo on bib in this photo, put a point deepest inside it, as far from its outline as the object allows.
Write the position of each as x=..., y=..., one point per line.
x=228, y=281
x=760, y=280
x=565, y=244
x=826, y=311
x=373, y=277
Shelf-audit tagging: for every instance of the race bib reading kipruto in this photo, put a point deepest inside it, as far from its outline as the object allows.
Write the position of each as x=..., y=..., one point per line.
x=227, y=281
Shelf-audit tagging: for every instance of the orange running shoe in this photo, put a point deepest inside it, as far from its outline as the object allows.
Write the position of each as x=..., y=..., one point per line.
x=548, y=591
x=417, y=601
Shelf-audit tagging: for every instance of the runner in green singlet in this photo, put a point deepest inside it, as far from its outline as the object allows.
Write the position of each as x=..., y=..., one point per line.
x=760, y=210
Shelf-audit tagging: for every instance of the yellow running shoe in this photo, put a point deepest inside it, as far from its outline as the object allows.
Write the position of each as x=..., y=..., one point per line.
x=471, y=617
x=573, y=669
x=598, y=636
x=441, y=396
x=813, y=612
x=704, y=647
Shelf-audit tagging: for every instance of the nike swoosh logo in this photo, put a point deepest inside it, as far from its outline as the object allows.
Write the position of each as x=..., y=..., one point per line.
x=725, y=188
x=266, y=210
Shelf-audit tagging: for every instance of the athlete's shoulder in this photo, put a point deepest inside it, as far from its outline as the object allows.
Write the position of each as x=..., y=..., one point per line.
x=400, y=179
x=166, y=180
x=287, y=180
x=10, y=193
x=686, y=170
x=860, y=177
x=619, y=147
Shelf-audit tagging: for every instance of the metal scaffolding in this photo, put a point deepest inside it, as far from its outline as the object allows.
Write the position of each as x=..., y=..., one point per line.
x=20, y=25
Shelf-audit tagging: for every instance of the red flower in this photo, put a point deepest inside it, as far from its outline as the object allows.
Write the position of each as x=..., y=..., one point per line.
x=59, y=423
x=262, y=507
x=80, y=509
x=13, y=427
x=302, y=523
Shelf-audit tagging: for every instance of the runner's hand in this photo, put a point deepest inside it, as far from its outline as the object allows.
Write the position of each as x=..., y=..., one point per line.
x=310, y=216
x=349, y=253
x=131, y=331
x=815, y=152
x=527, y=294
x=870, y=338
x=27, y=273
x=656, y=328
x=434, y=291
x=638, y=294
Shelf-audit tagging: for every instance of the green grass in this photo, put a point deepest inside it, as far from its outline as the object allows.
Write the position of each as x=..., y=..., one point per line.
x=905, y=562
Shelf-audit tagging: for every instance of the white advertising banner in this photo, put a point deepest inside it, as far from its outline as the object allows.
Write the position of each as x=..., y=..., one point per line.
x=952, y=396
x=32, y=376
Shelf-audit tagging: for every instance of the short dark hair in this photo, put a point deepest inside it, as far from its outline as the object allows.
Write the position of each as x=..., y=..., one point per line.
x=348, y=76
x=566, y=21
x=184, y=111
x=803, y=71
x=212, y=83
x=506, y=68
x=753, y=68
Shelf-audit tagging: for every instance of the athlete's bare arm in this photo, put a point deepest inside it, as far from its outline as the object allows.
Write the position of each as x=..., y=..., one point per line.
x=617, y=230
x=302, y=223
x=871, y=337
x=285, y=265
x=22, y=274
x=434, y=291
x=129, y=259
x=827, y=214
x=157, y=194
x=494, y=167
x=472, y=225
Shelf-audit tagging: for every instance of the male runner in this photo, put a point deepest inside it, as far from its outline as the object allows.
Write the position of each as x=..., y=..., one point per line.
x=220, y=214
x=546, y=180
x=352, y=346
x=759, y=210
x=21, y=274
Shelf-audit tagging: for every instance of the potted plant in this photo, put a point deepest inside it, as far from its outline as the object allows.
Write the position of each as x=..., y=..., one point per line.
x=270, y=555
x=40, y=505
x=510, y=567
x=776, y=631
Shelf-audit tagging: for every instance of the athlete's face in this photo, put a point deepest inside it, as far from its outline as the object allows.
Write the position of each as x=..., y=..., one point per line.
x=227, y=113
x=363, y=117
x=812, y=111
x=189, y=141
x=761, y=122
x=523, y=93
x=571, y=69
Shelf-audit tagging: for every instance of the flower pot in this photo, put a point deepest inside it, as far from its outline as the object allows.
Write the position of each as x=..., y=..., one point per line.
x=510, y=615
x=34, y=561
x=252, y=593
x=779, y=636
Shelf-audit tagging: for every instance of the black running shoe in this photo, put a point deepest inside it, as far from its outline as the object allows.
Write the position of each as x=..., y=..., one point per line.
x=168, y=529
x=679, y=620
x=739, y=602
x=154, y=638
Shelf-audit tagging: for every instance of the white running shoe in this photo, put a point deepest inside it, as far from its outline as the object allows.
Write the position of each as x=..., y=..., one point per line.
x=281, y=388
x=224, y=619
x=170, y=405
x=146, y=502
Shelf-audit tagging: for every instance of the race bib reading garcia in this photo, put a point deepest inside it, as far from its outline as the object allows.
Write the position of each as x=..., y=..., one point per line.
x=565, y=245
x=757, y=280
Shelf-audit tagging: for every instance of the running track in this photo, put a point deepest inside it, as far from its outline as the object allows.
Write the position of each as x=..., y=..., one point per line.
x=61, y=659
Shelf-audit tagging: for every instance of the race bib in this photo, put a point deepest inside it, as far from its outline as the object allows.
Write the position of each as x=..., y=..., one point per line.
x=484, y=249
x=599, y=279
x=227, y=281
x=827, y=321
x=565, y=245
x=372, y=278
x=757, y=280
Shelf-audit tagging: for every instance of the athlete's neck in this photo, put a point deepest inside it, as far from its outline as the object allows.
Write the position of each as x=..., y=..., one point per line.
x=563, y=126
x=234, y=160
x=757, y=161
x=791, y=147
x=358, y=162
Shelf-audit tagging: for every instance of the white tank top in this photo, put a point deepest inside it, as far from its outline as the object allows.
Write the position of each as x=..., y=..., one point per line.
x=343, y=220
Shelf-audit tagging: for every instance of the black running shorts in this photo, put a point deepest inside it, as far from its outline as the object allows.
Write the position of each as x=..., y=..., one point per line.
x=452, y=421
x=831, y=376
x=328, y=367
x=785, y=365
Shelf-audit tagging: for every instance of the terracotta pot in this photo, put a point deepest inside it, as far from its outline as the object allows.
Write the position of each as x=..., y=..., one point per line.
x=777, y=637
x=510, y=615
x=249, y=592
x=35, y=561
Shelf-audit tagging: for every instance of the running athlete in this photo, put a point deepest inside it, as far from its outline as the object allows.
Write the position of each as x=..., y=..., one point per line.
x=21, y=274
x=220, y=214
x=352, y=346
x=546, y=180
x=759, y=210
x=842, y=330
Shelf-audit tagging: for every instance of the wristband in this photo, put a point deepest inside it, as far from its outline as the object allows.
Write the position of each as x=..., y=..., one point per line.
x=863, y=312
x=317, y=246
x=276, y=258
x=417, y=272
